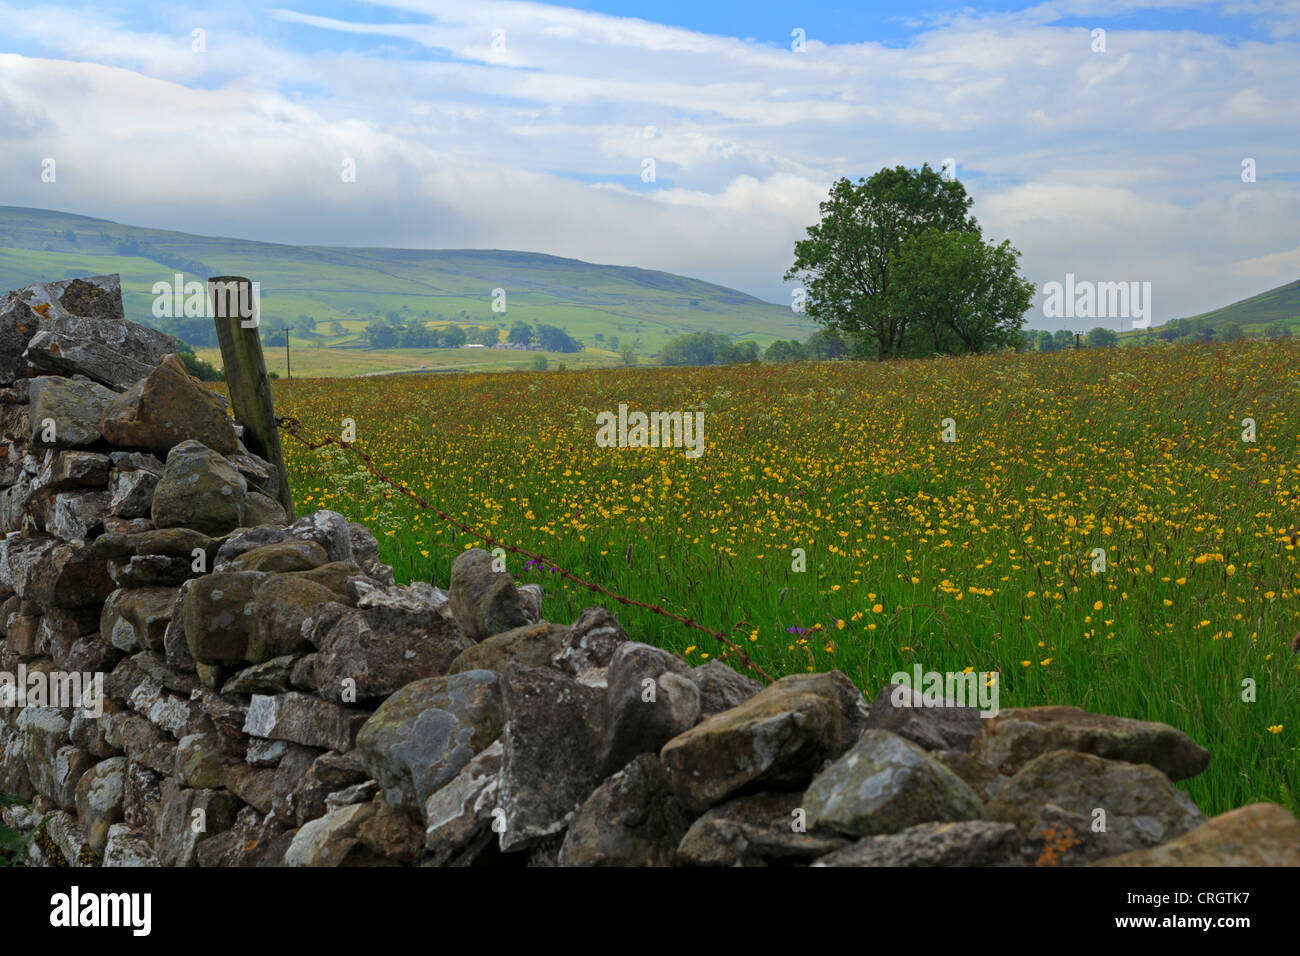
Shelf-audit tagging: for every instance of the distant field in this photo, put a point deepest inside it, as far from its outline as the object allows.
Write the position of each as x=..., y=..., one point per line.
x=974, y=554
x=309, y=362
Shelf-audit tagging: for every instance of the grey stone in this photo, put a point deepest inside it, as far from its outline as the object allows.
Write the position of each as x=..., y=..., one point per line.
x=764, y=829
x=632, y=819
x=423, y=735
x=968, y=843
x=302, y=719
x=553, y=729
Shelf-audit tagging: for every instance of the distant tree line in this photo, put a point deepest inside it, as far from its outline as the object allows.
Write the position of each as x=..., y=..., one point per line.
x=1178, y=330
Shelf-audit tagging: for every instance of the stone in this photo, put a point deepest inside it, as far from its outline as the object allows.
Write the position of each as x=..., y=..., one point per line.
x=301, y=790
x=1260, y=834
x=127, y=848
x=178, y=715
x=777, y=740
x=86, y=312
x=980, y=775
x=280, y=557
x=532, y=645
x=166, y=408
x=256, y=787
x=155, y=666
x=137, y=619
x=268, y=677
x=290, y=780
x=885, y=784
x=144, y=744
x=253, y=840
x=67, y=470
x=61, y=627
x=368, y=654
x=484, y=602
x=141, y=798
x=199, y=490
x=219, y=616
x=632, y=819
x=260, y=473
x=176, y=651
x=86, y=655
x=1015, y=737
x=78, y=515
x=57, y=354
x=201, y=763
x=65, y=413
x=590, y=642
x=21, y=637
x=243, y=540
x=934, y=724
x=302, y=719
x=162, y=542
x=459, y=816
x=421, y=737
x=67, y=575
x=99, y=800
x=721, y=687
x=392, y=837
x=266, y=753
x=281, y=605
x=116, y=525
x=365, y=552
x=965, y=843
x=131, y=493
x=176, y=841
x=18, y=557
x=649, y=700
x=1061, y=838
x=553, y=729
x=63, y=832
x=329, y=530
x=303, y=674
x=365, y=593
x=362, y=792
x=333, y=839
x=1139, y=802
x=337, y=576
x=757, y=830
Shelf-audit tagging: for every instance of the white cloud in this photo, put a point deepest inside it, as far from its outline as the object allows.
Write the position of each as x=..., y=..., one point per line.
x=1104, y=165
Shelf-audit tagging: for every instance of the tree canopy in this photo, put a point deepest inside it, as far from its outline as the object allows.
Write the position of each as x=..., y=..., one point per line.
x=899, y=267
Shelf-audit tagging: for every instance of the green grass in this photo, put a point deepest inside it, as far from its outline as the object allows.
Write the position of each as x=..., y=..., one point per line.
x=974, y=554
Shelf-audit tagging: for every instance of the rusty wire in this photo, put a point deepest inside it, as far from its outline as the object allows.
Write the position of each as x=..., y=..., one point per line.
x=294, y=428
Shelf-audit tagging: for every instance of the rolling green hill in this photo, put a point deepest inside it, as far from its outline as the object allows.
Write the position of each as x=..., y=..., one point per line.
x=1276, y=305
x=350, y=286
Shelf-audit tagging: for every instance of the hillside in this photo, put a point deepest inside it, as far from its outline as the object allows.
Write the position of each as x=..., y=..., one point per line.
x=351, y=286
x=1276, y=305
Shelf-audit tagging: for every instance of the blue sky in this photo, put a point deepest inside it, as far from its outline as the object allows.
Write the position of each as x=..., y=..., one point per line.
x=501, y=124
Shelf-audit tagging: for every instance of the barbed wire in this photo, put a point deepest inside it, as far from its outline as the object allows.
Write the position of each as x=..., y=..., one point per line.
x=293, y=427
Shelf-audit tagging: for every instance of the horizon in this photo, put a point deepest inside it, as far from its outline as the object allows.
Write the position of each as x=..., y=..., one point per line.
x=1029, y=326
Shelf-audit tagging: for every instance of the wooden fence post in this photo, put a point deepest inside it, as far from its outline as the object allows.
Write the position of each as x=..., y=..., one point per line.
x=235, y=313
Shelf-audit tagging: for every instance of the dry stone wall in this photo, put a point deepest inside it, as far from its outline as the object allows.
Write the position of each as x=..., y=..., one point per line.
x=188, y=677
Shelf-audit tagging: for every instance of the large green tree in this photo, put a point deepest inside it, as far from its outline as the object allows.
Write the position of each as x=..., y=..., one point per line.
x=960, y=293
x=883, y=267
